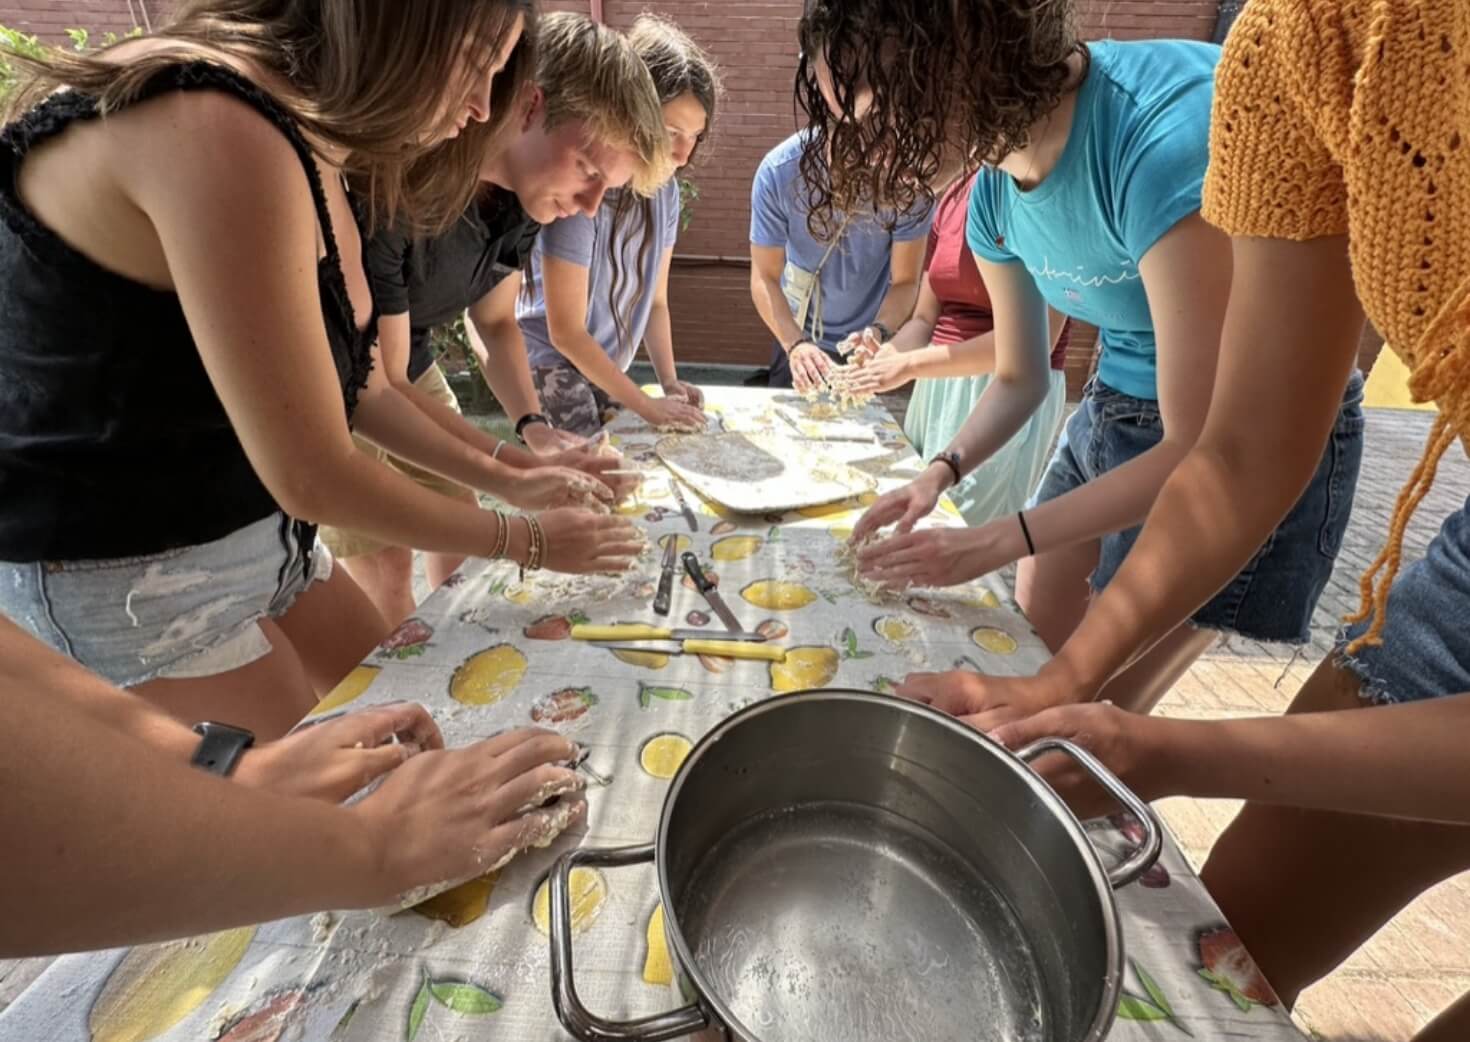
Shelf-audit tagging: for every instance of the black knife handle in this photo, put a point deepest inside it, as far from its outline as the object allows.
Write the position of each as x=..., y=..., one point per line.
x=665, y=593
x=701, y=581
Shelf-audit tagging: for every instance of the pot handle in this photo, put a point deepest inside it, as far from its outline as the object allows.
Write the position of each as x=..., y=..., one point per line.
x=1142, y=859
x=574, y=1016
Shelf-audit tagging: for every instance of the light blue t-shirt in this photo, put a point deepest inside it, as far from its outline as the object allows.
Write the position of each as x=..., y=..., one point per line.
x=1132, y=168
x=585, y=241
x=855, y=278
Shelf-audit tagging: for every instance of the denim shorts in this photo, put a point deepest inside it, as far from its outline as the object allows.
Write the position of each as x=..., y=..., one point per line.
x=189, y=612
x=1273, y=597
x=1426, y=647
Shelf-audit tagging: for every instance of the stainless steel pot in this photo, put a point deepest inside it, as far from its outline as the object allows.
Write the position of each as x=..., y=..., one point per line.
x=847, y=866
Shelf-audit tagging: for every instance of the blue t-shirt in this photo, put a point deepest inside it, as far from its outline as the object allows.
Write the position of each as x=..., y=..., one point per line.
x=586, y=241
x=1132, y=168
x=856, y=276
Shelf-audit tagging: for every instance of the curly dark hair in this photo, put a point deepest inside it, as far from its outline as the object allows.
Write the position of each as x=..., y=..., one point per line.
x=953, y=82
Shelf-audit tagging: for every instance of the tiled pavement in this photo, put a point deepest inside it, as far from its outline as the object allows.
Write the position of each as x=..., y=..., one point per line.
x=1420, y=962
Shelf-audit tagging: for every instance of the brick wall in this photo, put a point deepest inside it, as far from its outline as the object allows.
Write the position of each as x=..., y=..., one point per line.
x=755, y=43
x=50, y=18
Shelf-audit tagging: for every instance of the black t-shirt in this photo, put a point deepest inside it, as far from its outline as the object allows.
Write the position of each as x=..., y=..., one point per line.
x=433, y=280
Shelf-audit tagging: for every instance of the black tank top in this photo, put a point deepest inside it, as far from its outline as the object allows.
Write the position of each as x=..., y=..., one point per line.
x=112, y=440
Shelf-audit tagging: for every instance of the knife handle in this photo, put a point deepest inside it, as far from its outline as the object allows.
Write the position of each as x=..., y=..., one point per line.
x=701, y=581
x=631, y=631
x=736, y=649
x=663, y=598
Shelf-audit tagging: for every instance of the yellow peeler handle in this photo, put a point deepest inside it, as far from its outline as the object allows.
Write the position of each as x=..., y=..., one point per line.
x=735, y=649
x=631, y=631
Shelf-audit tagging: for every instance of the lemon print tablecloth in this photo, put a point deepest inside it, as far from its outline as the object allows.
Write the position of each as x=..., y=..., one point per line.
x=488, y=653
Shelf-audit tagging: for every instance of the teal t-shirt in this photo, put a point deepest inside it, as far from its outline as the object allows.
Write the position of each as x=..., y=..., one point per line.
x=1132, y=168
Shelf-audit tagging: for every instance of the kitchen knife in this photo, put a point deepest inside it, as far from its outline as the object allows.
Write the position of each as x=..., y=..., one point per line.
x=637, y=631
x=683, y=504
x=715, y=648
x=712, y=595
x=666, y=579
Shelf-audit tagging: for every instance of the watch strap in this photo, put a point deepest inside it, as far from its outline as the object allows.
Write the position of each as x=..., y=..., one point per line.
x=220, y=747
x=526, y=421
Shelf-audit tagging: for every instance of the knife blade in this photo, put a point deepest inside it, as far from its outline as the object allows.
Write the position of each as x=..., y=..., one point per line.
x=715, y=648
x=665, y=593
x=683, y=504
x=638, y=631
x=711, y=594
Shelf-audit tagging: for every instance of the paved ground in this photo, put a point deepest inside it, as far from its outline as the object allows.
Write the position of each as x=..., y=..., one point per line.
x=1420, y=962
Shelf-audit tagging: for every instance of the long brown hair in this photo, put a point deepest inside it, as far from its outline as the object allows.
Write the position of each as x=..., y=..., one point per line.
x=952, y=81
x=678, y=67
x=365, y=76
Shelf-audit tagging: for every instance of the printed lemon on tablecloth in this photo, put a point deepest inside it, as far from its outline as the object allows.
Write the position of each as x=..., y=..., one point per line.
x=658, y=968
x=775, y=595
x=997, y=642
x=736, y=548
x=980, y=598
x=682, y=543
x=949, y=509
x=588, y=892
x=486, y=678
x=349, y=690
x=841, y=533
x=804, y=668
x=844, y=511
x=643, y=659
x=662, y=755
x=157, y=986
x=462, y=905
x=895, y=628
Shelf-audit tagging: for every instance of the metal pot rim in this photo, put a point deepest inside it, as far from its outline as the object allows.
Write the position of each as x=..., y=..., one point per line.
x=1103, y=1016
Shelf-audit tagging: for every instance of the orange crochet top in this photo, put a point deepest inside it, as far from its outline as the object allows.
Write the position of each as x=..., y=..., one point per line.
x=1353, y=117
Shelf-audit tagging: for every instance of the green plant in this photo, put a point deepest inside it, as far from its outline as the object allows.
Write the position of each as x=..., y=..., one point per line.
x=451, y=346
x=688, y=195
x=13, y=41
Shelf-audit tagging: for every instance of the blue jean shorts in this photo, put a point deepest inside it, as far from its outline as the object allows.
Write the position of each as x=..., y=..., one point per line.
x=190, y=612
x=1426, y=648
x=1273, y=597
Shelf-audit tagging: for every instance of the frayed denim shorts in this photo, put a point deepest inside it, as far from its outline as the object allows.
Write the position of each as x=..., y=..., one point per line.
x=190, y=612
x=1426, y=642
x=1273, y=597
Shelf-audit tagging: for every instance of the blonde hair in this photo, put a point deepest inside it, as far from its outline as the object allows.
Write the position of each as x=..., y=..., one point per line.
x=365, y=76
x=590, y=73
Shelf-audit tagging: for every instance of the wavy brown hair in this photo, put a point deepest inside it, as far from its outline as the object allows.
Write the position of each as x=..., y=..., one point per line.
x=366, y=76
x=953, y=82
x=678, y=66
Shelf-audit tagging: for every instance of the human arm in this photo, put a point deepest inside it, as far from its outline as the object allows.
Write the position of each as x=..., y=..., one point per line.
x=1400, y=761
x=226, y=199
x=659, y=339
x=1289, y=343
x=329, y=761
x=1186, y=275
x=413, y=426
x=566, y=286
x=500, y=352
x=809, y=363
x=1021, y=382
x=103, y=833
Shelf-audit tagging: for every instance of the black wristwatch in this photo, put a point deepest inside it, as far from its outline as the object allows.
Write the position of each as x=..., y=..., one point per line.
x=883, y=331
x=952, y=461
x=220, y=747
x=526, y=421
